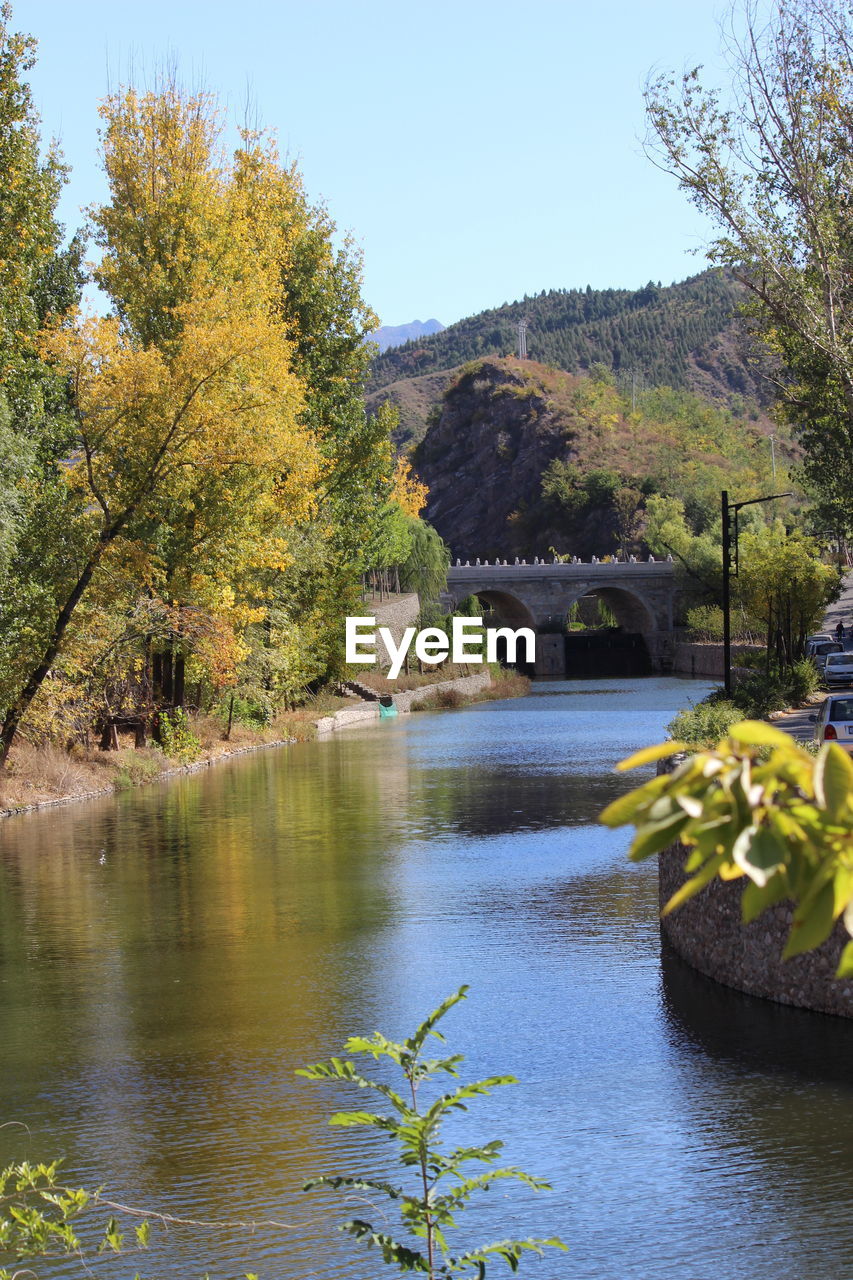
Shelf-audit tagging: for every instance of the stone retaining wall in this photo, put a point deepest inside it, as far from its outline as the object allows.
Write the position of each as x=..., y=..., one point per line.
x=705, y=659
x=396, y=615
x=709, y=934
x=466, y=685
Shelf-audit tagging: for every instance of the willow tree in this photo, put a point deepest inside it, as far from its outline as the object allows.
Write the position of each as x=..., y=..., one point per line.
x=187, y=411
x=771, y=162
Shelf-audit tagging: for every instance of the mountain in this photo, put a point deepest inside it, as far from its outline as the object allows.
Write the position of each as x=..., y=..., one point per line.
x=395, y=335
x=522, y=458
x=686, y=336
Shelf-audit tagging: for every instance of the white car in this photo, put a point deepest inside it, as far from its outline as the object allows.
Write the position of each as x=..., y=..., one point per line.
x=834, y=721
x=838, y=669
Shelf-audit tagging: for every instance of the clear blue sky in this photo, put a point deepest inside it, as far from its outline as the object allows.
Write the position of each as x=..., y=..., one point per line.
x=478, y=150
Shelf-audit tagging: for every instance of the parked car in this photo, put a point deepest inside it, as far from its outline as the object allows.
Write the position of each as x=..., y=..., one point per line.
x=838, y=669
x=834, y=721
x=819, y=637
x=822, y=650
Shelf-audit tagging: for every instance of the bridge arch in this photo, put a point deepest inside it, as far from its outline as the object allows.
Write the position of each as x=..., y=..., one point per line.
x=505, y=608
x=632, y=613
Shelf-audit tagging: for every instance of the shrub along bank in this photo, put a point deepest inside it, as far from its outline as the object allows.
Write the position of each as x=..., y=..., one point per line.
x=754, y=697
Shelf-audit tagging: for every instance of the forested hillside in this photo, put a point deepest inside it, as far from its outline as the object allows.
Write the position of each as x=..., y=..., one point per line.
x=683, y=335
x=523, y=459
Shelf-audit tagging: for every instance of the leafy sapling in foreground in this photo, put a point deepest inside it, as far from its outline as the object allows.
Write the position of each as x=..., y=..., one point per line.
x=439, y=1184
x=759, y=808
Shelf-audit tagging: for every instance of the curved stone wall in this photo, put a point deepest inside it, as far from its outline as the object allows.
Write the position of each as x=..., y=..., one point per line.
x=709, y=934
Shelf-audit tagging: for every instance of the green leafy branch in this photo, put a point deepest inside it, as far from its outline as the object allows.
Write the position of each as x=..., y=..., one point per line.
x=39, y=1218
x=443, y=1184
x=38, y=1215
x=757, y=807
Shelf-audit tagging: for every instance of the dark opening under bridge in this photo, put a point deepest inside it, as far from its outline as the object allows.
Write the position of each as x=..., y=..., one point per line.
x=640, y=594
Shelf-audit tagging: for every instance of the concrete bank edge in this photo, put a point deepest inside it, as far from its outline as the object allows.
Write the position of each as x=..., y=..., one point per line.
x=466, y=685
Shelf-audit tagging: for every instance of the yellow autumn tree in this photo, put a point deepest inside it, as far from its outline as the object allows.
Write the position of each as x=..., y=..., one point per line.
x=189, y=419
x=408, y=491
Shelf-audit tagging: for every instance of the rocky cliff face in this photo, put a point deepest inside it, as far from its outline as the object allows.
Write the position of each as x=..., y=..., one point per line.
x=522, y=457
x=483, y=459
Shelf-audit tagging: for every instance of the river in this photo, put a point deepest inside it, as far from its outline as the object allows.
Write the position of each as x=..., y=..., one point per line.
x=170, y=956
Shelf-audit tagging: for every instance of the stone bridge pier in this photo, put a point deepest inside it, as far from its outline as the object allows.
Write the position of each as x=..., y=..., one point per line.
x=640, y=594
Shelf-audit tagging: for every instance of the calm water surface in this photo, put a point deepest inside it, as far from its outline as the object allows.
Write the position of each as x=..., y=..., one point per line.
x=168, y=958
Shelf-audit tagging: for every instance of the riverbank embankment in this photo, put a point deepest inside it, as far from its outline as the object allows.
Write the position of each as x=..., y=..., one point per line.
x=709, y=933
x=49, y=776
x=705, y=660
x=69, y=777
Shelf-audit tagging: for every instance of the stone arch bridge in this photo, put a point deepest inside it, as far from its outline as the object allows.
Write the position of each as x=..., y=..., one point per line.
x=640, y=594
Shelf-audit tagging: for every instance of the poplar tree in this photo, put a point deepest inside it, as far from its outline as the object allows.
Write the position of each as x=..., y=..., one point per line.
x=38, y=279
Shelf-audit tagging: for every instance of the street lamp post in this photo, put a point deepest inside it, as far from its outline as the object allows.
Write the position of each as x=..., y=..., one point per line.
x=729, y=509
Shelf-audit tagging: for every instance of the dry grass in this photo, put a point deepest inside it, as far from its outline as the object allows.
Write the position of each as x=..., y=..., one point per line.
x=38, y=774
x=442, y=700
x=505, y=684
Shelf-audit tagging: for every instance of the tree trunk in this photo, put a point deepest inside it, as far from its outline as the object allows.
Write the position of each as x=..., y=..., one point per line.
x=157, y=677
x=166, y=677
x=21, y=705
x=179, y=679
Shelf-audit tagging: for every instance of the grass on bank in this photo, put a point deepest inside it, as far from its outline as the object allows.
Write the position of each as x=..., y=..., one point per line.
x=41, y=772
